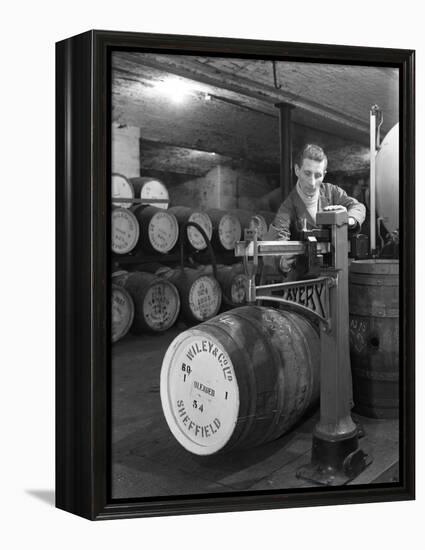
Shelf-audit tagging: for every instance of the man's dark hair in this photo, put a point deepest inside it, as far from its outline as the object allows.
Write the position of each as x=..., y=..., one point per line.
x=312, y=152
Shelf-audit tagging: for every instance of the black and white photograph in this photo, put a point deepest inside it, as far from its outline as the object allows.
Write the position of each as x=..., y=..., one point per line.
x=212, y=267
x=254, y=275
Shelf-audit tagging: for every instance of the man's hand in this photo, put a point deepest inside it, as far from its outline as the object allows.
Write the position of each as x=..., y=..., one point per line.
x=351, y=221
x=286, y=264
x=338, y=207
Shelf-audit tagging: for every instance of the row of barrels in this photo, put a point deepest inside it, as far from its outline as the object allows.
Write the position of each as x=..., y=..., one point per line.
x=145, y=190
x=156, y=231
x=147, y=302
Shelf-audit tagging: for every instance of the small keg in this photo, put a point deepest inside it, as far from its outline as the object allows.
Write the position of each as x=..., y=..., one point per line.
x=185, y=214
x=159, y=230
x=226, y=229
x=259, y=222
x=233, y=282
x=244, y=217
x=151, y=191
x=156, y=301
x=122, y=312
x=200, y=293
x=252, y=220
x=240, y=379
x=121, y=188
x=125, y=231
x=267, y=215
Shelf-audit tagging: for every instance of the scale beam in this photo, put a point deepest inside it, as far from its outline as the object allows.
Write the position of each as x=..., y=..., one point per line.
x=276, y=248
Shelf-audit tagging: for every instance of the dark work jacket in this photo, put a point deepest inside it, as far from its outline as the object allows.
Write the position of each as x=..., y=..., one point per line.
x=289, y=219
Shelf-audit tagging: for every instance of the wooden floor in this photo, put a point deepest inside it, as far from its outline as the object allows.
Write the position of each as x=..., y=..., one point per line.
x=148, y=461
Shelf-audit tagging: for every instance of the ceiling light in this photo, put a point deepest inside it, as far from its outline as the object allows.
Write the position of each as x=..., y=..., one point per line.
x=175, y=89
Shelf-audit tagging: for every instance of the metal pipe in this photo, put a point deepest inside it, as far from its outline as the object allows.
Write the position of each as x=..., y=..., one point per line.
x=285, y=141
x=372, y=185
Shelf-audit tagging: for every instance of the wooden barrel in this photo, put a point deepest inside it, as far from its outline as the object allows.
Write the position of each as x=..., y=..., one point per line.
x=125, y=231
x=233, y=283
x=267, y=215
x=200, y=293
x=244, y=217
x=240, y=380
x=226, y=229
x=122, y=312
x=151, y=191
x=159, y=230
x=374, y=336
x=262, y=223
x=249, y=220
x=185, y=214
x=121, y=188
x=156, y=301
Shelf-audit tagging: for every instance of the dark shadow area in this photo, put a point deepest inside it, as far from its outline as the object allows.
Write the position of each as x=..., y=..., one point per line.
x=45, y=495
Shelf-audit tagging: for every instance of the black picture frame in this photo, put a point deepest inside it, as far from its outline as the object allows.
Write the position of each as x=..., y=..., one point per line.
x=82, y=292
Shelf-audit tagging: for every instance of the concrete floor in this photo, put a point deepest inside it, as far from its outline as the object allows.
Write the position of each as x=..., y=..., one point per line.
x=148, y=461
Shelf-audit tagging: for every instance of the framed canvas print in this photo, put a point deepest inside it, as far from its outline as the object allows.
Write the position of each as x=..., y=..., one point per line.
x=235, y=275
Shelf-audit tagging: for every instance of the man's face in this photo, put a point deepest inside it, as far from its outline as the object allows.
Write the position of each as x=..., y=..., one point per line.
x=310, y=175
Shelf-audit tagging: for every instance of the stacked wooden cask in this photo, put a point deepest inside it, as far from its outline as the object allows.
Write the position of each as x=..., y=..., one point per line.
x=122, y=306
x=200, y=292
x=233, y=283
x=155, y=302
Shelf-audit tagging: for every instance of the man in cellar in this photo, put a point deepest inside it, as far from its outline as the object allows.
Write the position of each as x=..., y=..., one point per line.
x=309, y=196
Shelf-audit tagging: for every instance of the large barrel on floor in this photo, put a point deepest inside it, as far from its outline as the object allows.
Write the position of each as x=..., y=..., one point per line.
x=151, y=191
x=200, y=293
x=240, y=380
x=374, y=337
x=156, y=301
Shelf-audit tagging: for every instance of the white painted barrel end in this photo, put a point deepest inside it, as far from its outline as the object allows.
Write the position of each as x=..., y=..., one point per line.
x=199, y=392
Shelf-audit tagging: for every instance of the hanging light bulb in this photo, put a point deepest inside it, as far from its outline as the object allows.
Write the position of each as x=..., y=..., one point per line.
x=175, y=89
